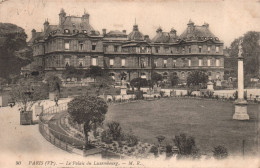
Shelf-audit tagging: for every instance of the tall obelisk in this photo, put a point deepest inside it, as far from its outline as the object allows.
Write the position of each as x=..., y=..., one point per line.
x=240, y=103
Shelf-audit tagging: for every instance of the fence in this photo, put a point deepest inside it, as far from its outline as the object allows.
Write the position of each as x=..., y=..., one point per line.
x=58, y=139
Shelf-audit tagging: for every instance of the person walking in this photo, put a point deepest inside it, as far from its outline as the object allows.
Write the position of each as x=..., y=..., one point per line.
x=56, y=101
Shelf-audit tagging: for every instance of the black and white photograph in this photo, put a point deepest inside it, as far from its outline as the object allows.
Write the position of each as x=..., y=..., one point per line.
x=129, y=83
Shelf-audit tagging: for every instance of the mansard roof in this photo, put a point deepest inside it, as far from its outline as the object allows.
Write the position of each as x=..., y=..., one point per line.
x=165, y=37
x=194, y=32
x=76, y=23
x=135, y=35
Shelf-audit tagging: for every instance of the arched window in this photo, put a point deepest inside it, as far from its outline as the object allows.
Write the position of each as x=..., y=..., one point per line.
x=66, y=31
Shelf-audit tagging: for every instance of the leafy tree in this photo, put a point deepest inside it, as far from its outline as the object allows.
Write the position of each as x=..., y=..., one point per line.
x=13, y=50
x=95, y=71
x=220, y=152
x=138, y=83
x=174, y=79
x=89, y=111
x=54, y=83
x=72, y=72
x=156, y=77
x=27, y=92
x=115, y=130
x=186, y=146
x=197, y=77
x=251, y=50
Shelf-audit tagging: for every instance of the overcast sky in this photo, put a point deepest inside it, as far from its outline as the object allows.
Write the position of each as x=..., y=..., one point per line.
x=227, y=19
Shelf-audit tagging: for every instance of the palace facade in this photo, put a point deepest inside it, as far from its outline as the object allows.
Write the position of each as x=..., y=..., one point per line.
x=74, y=42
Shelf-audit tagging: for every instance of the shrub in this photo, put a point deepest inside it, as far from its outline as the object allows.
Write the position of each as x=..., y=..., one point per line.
x=169, y=152
x=131, y=140
x=186, y=145
x=114, y=130
x=162, y=93
x=154, y=150
x=106, y=137
x=220, y=152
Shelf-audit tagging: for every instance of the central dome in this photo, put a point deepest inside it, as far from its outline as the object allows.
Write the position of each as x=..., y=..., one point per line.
x=135, y=35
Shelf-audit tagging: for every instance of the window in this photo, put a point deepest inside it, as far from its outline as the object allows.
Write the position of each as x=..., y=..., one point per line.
x=155, y=63
x=189, y=62
x=80, y=45
x=81, y=62
x=94, y=61
x=209, y=61
x=84, y=31
x=217, y=49
x=138, y=49
x=115, y=48
x=66, y=31
x=67, y=62
x=165, y=75
x=123, y=62
x=156, y=49
x=165, y=63
x=183, y=49
x=67, y=45
x=111, y=62
x=166, y=49
x=75, y=31
x=143, y=64
x=112, y=75
x=209, y=48
x=174, y=63
x=94, y=46
x=189, y=49
x=143, y=75
x=217, y=62
x=200, y=62
x=200, y=49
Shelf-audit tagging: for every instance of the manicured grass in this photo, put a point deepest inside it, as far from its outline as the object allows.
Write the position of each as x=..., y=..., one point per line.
x=210, y=122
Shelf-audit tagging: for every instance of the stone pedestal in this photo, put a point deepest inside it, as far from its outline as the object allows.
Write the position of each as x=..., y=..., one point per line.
x=241, y=110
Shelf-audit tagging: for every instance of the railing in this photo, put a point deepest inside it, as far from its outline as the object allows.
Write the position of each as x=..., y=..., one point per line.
x=56, y=138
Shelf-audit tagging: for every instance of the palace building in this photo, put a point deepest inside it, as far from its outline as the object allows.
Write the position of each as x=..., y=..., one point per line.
x=74, y=42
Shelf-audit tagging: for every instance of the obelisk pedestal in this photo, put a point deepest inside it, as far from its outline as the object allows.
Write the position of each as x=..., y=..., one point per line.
x=240, y=103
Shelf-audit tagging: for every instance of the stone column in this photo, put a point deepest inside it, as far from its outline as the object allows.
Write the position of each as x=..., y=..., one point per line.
x=240, y=103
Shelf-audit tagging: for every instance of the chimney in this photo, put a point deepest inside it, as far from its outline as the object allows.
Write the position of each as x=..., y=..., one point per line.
x=46, y=25
x=85, y=17
x=62, y=16
x=104, y=31
x=173, y=32
x=124, y=31
x=205, y=25
x=159, y=30
x=33, y=33
x=190, y=26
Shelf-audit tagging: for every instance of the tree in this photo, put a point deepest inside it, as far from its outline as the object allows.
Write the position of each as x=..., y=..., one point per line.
x=114, y=130
x=13, y=50
x=54, y=83
x=95, y=71
x=251, y=50
x=89, y=111
x=27, y=92
x=156, y=77
x=138, y=83
x=186, y=145
x=72, y=72
x=197, y=77
x=174, y=79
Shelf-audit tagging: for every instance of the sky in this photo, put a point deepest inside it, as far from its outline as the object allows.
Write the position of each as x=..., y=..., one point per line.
x=227, y=19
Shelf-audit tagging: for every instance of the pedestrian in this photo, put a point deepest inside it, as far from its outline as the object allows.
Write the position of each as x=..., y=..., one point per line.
x=56, y=100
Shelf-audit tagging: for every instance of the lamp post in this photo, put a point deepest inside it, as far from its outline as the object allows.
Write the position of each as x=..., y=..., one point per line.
x=240, y=103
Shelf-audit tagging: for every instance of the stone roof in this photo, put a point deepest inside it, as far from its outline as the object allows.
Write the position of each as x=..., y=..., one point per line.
x=165, y=37
x=194, y=31
x=135, y=35
x=76, y=23
x=115, y=33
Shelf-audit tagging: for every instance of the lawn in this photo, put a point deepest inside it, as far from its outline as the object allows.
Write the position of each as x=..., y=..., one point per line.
x=210, y=122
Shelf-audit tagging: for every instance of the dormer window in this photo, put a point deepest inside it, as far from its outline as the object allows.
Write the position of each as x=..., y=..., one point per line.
x=84, y=31
x=66, y=31
x=75, y=31
x=94, y=46
x=81, y=45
